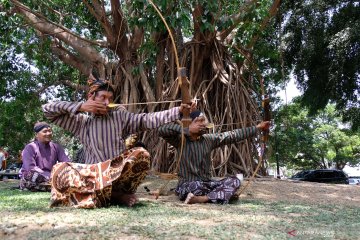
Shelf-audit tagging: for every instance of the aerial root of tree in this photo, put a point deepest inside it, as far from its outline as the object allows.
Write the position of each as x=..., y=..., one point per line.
x=227, y=99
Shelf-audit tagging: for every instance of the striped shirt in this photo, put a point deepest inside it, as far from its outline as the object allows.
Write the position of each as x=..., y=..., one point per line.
x=195, y=162
x=103, y=136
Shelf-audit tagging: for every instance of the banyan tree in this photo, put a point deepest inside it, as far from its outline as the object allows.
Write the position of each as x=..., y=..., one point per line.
x=220, y=43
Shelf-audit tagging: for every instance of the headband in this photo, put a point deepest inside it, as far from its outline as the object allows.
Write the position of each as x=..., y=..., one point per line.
x=40, y=126
x=194, y=114
x=98, y=85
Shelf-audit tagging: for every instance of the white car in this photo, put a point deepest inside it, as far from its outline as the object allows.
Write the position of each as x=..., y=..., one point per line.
x=354, y=181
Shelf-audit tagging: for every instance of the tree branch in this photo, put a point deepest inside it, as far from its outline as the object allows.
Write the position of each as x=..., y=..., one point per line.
x=67, y=57
x=272, y=12
x=236, y=19
x=64, y=82
x=61, y=33
x=120, y=29
x=19, y=6
x=99, y=13
x=197, y=13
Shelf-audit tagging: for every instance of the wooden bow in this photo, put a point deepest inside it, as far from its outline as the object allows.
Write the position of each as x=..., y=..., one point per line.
x=185, y=99
x=181, y=71
x=185, y=96
x=266, y=116
x=265, y=102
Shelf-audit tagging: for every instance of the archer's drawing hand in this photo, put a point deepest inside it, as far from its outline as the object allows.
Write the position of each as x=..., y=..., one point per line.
x=191, y=106
x=264, y=125
x=91, y=105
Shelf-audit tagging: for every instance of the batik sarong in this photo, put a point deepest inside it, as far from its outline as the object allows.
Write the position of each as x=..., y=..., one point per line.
x=34, y=181
x=91, y=185
x=217, y=191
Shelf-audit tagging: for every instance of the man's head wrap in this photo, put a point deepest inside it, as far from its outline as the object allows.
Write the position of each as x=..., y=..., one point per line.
x=96, y=84
x=194, y=114
x=40, y=126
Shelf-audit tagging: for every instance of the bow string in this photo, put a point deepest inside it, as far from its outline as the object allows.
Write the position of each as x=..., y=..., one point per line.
x=185, y=99
x=181, y=73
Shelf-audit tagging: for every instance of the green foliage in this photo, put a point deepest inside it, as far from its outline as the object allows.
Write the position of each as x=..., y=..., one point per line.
x=65, y=139
x=27, y=65
x=321, y=141
x=17, y=121
x=323, y=47
x=39, y=69
x=19, y=107
x=28, y=78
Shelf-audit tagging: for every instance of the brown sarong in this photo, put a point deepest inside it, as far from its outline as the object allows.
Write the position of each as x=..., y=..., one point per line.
x=34, y=181
x=91, y=185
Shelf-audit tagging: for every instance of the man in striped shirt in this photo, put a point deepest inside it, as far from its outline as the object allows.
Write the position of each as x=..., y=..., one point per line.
x=111, y=172
x=195, y=183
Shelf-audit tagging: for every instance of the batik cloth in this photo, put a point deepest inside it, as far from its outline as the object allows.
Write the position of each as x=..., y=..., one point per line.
x=217, y=191
x=91, y=185
x=34, y=181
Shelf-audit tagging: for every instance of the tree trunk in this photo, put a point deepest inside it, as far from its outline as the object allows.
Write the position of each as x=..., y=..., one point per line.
x=215, y=78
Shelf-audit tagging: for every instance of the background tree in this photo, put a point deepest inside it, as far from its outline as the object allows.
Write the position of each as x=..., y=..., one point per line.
x=225, y=45
x=27, y=77
x=322, y=46
x=338, y=145
x=311, y=143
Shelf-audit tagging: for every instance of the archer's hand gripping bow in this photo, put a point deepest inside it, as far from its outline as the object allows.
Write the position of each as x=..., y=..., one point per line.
x=266, y=116
x=185, y=96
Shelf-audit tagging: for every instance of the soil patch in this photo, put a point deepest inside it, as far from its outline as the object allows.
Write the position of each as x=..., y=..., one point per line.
x=267, y=189
x=270, y=190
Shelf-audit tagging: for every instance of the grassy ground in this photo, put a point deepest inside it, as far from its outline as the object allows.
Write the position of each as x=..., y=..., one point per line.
x=26, y=215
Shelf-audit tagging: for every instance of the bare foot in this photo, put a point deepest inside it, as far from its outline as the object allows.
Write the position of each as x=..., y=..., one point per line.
x=191, y=198
x=155, y=193
x=125, y=198
x=188, y=198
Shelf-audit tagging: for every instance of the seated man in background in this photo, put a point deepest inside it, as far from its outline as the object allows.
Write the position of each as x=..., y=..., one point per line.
x=38, y=158
x=194, y=173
